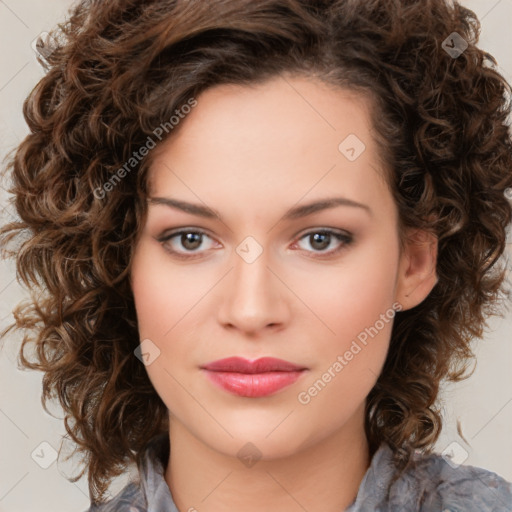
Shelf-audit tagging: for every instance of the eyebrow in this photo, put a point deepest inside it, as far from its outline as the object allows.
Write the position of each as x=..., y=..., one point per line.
x=296, y=212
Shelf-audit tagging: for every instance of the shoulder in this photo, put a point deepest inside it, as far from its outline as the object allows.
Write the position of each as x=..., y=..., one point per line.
x=147, y=490
x=129, y=499
x=434, y=483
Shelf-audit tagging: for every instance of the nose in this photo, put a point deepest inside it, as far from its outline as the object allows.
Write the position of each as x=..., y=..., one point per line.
x=253, y=298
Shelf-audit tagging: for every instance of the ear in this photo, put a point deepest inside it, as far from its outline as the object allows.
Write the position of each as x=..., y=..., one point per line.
x=417, y=268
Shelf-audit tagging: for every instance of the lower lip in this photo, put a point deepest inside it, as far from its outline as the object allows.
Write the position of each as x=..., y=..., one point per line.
x=253, y=384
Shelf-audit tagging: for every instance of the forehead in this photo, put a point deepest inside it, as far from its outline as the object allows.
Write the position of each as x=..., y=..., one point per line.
x=280, y=139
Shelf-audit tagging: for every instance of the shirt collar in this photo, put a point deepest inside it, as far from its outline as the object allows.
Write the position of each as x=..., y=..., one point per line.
x=152, y=478
x=372, y=490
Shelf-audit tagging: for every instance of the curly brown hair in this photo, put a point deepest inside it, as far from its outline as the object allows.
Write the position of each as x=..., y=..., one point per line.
x=118, y=68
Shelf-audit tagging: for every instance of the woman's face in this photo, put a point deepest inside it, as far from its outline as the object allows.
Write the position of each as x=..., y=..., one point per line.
x=259, y=281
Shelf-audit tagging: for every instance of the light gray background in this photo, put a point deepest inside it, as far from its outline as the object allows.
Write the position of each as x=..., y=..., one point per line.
x=483, y=403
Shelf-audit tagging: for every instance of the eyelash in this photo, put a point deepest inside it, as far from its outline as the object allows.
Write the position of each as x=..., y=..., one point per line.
x=344, y=237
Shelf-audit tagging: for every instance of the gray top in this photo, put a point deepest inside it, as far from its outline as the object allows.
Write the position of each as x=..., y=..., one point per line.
x=430, y=484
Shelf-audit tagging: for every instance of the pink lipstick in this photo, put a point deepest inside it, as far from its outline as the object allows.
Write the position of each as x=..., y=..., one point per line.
x=262, y=377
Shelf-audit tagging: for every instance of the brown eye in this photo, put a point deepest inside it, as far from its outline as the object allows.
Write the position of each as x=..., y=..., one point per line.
x=191, y=241
x=320, y=240
x=184, y=243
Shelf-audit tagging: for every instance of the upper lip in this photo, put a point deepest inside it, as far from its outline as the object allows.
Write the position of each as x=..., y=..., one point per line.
x=262, y=365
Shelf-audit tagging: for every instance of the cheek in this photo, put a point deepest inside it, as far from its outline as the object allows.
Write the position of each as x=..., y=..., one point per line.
x=355, y=304
x=362, y=283
x=359, y=312
x=162, y=297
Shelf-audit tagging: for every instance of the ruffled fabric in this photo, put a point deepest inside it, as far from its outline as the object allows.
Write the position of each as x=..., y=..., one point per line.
x=430, y=484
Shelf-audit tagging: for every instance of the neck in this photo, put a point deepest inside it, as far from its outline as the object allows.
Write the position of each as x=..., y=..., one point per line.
x=325, y=476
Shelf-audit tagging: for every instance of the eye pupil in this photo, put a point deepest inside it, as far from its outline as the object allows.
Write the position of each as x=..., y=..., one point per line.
x=189, y=237
x=317, y=236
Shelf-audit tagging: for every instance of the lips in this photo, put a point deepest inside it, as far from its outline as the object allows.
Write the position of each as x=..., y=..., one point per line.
x=259, y=378
x=262, y=365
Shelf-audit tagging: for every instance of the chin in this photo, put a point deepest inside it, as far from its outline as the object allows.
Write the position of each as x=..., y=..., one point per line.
x=257, y=442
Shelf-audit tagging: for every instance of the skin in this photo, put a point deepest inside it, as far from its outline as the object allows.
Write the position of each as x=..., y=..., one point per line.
x=251, y=153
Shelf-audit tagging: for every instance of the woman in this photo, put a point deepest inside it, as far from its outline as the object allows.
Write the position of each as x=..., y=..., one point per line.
x=340, y=169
